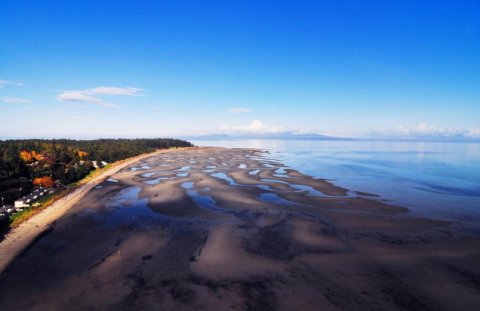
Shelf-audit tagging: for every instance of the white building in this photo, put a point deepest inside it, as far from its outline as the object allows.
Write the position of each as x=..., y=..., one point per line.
x=20, y=203
x=31, y=198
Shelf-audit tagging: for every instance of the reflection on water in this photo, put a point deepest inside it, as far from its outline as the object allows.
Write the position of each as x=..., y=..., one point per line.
x=203, y=201
x=275, y=199
x=310, y=190
x=184, y=168
x=225, y=177
x=440, y=180
x=155, y=181
x=187, y=185
x=142, y=167
x=281, y=176
x=281, y=172
x=128, y=209
x=148, y=175
x=265, y=187
x=274, y=181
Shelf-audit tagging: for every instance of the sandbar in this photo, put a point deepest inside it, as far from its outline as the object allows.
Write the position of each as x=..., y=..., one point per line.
x=233, y=229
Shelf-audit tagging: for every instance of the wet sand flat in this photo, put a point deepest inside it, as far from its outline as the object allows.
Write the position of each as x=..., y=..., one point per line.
x=20, y=237
x=232, y=229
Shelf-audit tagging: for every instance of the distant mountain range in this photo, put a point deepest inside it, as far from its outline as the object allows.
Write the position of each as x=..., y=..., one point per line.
x=284, y=135
x=319, y=137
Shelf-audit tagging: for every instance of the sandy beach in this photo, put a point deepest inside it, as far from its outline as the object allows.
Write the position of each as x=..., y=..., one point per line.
x=233, y=229
x=19, y=238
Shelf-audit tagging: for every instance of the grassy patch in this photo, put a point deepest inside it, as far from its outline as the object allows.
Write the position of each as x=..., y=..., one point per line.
x=27, y=213
x=20, y=217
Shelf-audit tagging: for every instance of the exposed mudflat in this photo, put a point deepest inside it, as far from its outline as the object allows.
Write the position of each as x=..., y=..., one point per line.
x=232, y=229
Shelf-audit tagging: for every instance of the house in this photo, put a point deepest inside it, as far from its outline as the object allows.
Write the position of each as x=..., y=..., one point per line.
x=22, y=202
x=29, y=199
x=97, y=165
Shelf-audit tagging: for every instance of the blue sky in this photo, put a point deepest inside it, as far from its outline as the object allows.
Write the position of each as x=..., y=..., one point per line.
x=88, y=69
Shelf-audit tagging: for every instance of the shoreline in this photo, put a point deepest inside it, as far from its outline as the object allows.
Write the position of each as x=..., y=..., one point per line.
x=19, y=238
x=222, y=228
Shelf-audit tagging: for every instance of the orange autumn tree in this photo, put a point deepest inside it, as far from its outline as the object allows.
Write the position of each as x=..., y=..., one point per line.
x=37, y=181
x=36, y=155
x=29, y=157
x=82, y=154
x=26, y=156
x=45, y=181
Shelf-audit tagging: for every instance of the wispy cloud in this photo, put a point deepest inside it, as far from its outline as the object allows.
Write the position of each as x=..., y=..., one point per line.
x=116, y=91
x=12, y=100
x=92, y=95
x=78, y=96
x=237, y=110
x=4, y=83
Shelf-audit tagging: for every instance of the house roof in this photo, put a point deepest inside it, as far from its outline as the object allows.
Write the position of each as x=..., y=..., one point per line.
x=35, y=195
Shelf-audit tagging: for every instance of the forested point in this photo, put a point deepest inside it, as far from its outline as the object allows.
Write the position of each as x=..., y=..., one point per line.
x=29, y=163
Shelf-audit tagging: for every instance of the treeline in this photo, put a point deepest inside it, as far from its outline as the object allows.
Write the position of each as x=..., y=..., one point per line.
x=24, y=163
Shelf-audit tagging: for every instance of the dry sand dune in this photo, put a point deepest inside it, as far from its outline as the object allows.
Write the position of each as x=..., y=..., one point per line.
x=229, y=229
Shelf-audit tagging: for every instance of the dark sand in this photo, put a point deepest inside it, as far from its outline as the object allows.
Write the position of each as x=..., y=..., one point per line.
x=166, y=234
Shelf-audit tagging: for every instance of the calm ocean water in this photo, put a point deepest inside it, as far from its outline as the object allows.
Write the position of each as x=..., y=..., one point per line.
x=437, y=180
